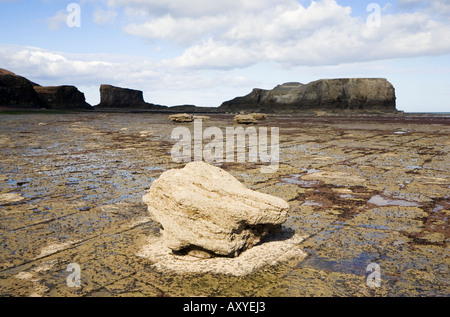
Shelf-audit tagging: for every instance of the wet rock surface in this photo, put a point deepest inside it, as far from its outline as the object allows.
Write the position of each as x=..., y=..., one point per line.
x=361, y=190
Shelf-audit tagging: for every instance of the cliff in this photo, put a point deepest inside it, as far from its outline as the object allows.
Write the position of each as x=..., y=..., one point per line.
x=62, y=97
x=331, y=95
x=21, y=93
x=17, y=91
x=116, y=97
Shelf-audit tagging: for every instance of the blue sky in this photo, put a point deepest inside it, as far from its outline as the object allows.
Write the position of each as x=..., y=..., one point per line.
x=205, y=52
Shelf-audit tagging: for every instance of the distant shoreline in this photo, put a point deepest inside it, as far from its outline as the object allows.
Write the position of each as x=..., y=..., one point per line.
x=210, y=111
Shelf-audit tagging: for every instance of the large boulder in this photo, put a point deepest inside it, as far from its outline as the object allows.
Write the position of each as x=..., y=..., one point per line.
x=17, y=91
x=117, y=97
x=205, y=210
x=62, y=97
x=331, y=95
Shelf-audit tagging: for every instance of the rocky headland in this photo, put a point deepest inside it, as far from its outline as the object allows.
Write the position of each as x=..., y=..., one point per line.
x=117, y=97
x=17, y=91
x=20, y=93
x=330, y=95
x=62, y=97
x=327, y=96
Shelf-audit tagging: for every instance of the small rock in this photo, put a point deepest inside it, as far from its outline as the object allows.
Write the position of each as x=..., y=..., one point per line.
x=145, y=133
x=259, y=116
x=10, y=198
x=182, y=117
x=320, y=113
x=244, y=119
x=204, y=208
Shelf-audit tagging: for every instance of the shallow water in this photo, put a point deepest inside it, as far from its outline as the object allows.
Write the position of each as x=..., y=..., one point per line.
x=382, y=201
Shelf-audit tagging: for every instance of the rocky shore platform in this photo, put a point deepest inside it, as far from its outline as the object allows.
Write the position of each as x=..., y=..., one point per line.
x=363, y=192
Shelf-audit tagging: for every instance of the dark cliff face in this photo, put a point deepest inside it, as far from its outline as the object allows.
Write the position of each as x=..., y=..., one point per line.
x=116, y=97
x=332, y=95
x=62, y=97
x=17, y=91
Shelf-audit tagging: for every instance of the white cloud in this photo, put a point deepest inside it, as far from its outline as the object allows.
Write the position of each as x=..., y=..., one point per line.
x=83, y=70
x=227, y=34
x=104, y=16
x=55, y=22
x=46, y=64
x=167, y=27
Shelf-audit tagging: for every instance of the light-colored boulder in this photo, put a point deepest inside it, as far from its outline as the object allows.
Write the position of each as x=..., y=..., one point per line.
x=320, y=113
x=204, y=210
x=259, y=116
x=244, y=119
x=181, y=117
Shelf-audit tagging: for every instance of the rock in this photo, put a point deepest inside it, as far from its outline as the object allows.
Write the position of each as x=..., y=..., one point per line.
x=181, y=117
x=259, y=116
x=353, y=94
x=17, y=91
x=204, y=209
x=116, y=97
x=62, y=97
x=320, y=113
x=244, y=119
x=10, y=198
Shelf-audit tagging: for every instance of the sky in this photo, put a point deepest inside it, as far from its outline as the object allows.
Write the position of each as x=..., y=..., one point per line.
x=206, y=52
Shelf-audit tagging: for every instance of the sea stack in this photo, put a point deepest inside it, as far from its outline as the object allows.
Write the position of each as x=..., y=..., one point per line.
x=117, y=97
